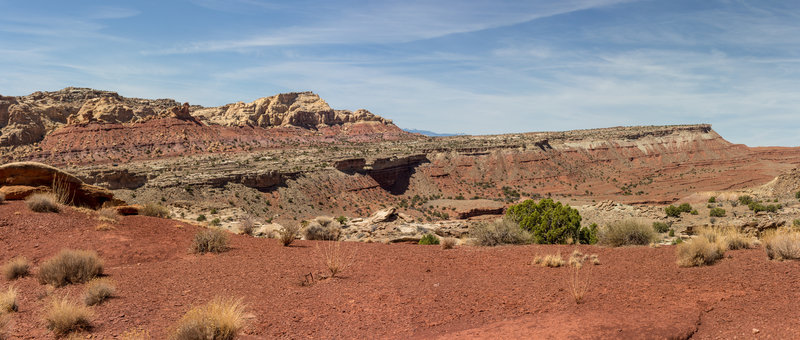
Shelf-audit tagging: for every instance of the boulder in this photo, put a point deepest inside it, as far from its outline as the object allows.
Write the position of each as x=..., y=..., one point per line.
x=20, y=192
x=34, y=174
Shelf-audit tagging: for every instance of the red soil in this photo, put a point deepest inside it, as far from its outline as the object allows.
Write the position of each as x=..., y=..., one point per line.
x=402, y=290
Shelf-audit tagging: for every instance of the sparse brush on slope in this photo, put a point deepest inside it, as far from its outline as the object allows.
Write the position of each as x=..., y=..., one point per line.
x=16, y=268
x=8, y=301
x=288, y=234
x=210, y=240
x=501, y=231
x=220, y=319
x=97, y=291
x=65, y=316
x=783, y=245
x=699, y=251
x=43, y=202
x=70, y=266
x=627, y=233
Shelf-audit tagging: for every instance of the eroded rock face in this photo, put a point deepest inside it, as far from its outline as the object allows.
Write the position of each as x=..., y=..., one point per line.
x=22, y=175
x=302, y=109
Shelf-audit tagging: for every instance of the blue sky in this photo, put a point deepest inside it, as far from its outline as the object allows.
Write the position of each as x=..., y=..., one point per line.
x=475, y=67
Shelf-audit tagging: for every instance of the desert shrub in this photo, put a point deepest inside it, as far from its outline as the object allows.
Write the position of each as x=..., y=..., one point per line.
x=694, y=212
x=549, y=222
x=247, y=226
x=716, y=212
x=728, y=238
x=342, y=220
x=65, y=316
x=671, y=232
x=588, y=235
x=685, y=207
x=429, y=239
x=712, y=199
x=288, y=234
x=210, y=240
x=660, y=227
x=745, y=199
x=627, y=233
x=4, y=319
x=318, y=231
x=797, y=195
x=449, y=243
x=97, y=291
x=215, y=222
x=501, y=231
x=8, y=301
x=783, y=245
x=552, y=260
x=16, y=268
x=220, y=319
x=758, y=207
x=135, y=334
x=154, y=210
x=699, y=251
x=579, y=277
x=43, y=202
x=70, y=266
x=108, y=215
x=672, y=211
x=201, y=218
x=335, y=257
x=796, y=223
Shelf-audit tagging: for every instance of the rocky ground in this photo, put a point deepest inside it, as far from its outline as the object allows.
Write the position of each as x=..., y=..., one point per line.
x=400, y=290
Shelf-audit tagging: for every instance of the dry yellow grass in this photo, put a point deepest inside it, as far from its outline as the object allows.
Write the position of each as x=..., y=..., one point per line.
x=4, y=320
x=335, y=257
x=729, y=238
x=43, y=202
x=108, y=214
x=699, y=251
x=16, y=268
x=135, y=334
x=8, y=301
x=783, y=245
x=211, y=240
x=552, y=261
x=448, y=243
x=70, y=266
x=65, y=316
x=288, y=234
x=220, y=319
x=97, y=291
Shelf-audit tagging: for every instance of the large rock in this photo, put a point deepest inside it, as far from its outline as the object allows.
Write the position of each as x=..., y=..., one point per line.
x=20, y=192
x=464, y=209
x=33, y=174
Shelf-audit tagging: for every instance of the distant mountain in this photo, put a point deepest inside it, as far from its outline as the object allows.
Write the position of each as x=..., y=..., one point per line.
x=433, y=134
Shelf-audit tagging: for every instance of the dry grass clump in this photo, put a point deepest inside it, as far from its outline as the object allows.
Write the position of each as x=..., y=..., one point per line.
x=70, y=266
x=501, y=231
x=220, y=319
x=448, y=242
x=154, y=210
x=335, y=257
x=552, y=261
x=729, y=238
x=211, y=240
x=8, y=301
x=104, y=227
x=247, y=226
x=43, y=202
x=323, y=228
x=65, y=316
x=699, y=251
x=135, y=334
x=288, y=234
x=783, y=245
x=97, y=291
x=16, y=268
x=108, y=215
x=627, y=233
x=580, y=275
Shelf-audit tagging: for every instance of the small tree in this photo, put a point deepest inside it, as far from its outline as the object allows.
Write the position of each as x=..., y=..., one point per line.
x=548, y=221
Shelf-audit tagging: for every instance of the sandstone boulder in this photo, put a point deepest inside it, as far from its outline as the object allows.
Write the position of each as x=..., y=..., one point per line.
x=33, y=174
x=20, y=192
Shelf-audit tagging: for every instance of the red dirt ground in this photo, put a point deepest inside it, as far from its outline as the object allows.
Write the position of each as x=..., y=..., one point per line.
x=402, y=290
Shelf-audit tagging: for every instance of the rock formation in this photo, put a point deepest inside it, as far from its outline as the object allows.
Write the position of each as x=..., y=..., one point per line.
x=18, y=180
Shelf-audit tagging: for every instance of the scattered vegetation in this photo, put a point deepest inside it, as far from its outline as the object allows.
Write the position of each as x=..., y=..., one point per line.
x=201, y=218
x=154, y=210
x=549, y=222
x=220, y=319
x=65, y=316
x=627, y=233
x=699, y=251
x=580, y=277
x=449, y=243
x=661, y=227
x=429, y=239
x=16, y=268
x=69, y=267
x=247, y=226
x=552, y=261
x=728, y=238
x=215, y=222
x=43, y=202
x=501, y=231
x=211, y=240
x=783, y=245
x=673, y=211
x=712, y=199
x=342, y=220
x=717, y=212
x=288, y=234
x=323, y=228
x=97, y=291
x=8, y=301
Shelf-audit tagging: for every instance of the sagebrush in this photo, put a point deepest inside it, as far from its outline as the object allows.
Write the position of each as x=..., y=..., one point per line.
x=627, y=233
x=220, y=319
x=210, y=240
x=502, y=231
x=97, y=291
x=43, y=202
x=69, y=267
x=16, y=268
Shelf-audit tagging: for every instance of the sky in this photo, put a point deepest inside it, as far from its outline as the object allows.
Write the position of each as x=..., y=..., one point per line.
x=452, y=66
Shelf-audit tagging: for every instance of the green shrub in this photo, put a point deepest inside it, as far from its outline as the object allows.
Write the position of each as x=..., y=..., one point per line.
x=215, y=222
x=588, y=235
x=154, y=210
x=694, y=212
x=70, y=266
x=342, y=220
x=685, y=207
x=502, y=231
x=627, y=233
x=758, y=207
x=712, y=199
x=201, y=218
x=745, y=200
x=549, y=222
x=429, y=239
x=660, y=227
x=717, y=212
x=210, y=241
x=797, y=195
x=671, y=232
x=672, y=211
